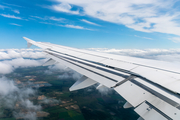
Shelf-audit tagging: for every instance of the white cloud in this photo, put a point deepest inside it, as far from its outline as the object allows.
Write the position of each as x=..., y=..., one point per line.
x=20, y=62
x=14, y=58
x=86, y=21
x=64, y=7
x=70, y=75
x=7, y=86
x=141, y=15
x=105, y=90
x=15, y=24
x=10, y=16
x=50, y=101
x=11, y=95
x=21, y=53
x=5, y=68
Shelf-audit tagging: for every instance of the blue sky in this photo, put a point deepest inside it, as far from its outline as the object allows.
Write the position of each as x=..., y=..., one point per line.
x=140, y=24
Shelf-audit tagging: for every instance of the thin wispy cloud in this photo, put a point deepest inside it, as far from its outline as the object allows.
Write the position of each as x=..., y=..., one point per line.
x=57, y=19
x=15, y=24
x=143, y=37
x=50, y=18
x=88, y=22
x=16, y=11
x=10, y=16
x=146, y=16
x=47, y=23
x=12, y=4
x=2, y=7
x=41, y=18
x=175, y=39
x=76, y=27
x=68, y=26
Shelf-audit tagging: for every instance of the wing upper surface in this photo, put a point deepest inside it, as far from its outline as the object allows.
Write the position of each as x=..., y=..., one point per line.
x=160, y=72
x=156, y=83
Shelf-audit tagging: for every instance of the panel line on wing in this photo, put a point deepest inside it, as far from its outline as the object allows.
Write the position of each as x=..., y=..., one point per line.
x=117, y=59
x=118, y=69
x=164, y=98
x=146, y=110
x=173, y=103
x=157, y=110
x=100, y=68
x=101, y=64
x=123, y=81
x=60, y=57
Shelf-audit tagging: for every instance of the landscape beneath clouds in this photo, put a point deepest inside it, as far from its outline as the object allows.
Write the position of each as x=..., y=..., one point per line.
x=29, y=91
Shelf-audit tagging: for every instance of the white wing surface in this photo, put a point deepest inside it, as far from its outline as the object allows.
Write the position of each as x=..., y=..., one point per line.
x=151, y=87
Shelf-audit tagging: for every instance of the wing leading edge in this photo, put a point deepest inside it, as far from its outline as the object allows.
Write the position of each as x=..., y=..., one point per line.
x=150, y=86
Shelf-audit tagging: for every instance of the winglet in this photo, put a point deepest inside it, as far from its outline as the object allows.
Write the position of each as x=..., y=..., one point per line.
x=29, y=42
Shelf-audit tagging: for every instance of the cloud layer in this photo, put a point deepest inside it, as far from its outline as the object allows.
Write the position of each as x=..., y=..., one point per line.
x=171, y=55
x=13, y=58
x=146, y=16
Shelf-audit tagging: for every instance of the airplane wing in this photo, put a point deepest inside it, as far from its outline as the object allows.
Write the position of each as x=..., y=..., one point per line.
x=151, y=87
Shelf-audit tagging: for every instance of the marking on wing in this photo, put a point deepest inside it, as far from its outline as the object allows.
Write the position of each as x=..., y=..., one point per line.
x=123, y=81
x=149, y=112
